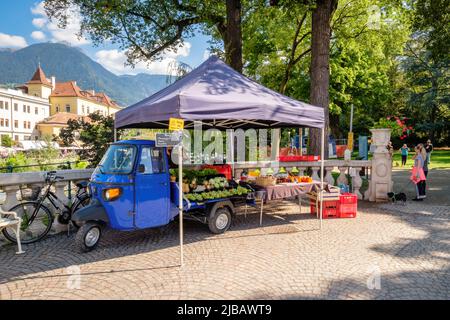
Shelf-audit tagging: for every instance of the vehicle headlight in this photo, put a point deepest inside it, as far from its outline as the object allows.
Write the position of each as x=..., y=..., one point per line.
x=112, y=194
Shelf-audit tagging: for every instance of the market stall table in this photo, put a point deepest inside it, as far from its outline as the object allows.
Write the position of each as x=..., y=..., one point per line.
x=283, y=191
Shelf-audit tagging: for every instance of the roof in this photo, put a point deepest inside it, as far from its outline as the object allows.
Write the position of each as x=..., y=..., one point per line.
x=222, y=98
x=40, y=78
x=61, y=118
x=136, y=142
x=70, y=89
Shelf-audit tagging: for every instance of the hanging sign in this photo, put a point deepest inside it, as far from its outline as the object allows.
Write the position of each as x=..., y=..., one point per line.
x=168, y=139
x=176, y=124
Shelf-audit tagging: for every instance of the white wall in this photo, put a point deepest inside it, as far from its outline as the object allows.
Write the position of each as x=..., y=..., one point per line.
x=36, y=109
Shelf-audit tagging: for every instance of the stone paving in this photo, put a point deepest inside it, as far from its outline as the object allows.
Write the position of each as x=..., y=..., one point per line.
x=389, y=251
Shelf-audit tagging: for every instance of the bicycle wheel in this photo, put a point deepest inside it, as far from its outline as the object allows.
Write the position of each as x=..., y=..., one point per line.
x=37, y=229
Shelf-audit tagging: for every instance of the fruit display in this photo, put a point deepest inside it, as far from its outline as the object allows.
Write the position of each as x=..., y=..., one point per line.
x=301, y=179
x=219, y=194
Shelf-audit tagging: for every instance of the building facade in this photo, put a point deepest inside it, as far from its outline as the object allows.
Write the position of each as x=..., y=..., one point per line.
x=32, y=110
x=20, y=113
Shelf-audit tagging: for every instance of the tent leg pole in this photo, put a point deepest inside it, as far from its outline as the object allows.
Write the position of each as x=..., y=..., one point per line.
x=322, y=161
x=180, y=199
x=115, y=135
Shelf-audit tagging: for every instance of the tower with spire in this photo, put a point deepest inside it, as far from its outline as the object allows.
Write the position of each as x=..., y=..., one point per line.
x=39, y=85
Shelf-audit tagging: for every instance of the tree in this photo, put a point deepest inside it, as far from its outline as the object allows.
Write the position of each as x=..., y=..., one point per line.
x=148, y=28
x=95, y=134
x=320, y=66
x=433, y=17
x=6, y=141
x=428, y=78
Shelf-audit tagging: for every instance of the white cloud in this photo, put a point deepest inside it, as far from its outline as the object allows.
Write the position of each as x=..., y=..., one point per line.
x=39, y=22
x=206, y=54
x=114, y=60
x=38, y=9
x=38, y=35
x=10, y=41
x=68, y=34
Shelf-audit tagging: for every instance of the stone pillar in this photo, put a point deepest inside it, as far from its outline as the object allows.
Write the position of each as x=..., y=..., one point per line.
x=357, y=182
x=315, y=175
x=328, y=176
x=59, y=191
x=381, y=178
x=11, y=197
x=342, y=179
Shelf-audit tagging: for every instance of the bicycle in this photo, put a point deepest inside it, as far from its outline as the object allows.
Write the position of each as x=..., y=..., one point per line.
x=37, y=218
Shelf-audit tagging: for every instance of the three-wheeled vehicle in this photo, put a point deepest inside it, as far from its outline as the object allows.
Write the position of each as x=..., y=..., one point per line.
x=131, y=189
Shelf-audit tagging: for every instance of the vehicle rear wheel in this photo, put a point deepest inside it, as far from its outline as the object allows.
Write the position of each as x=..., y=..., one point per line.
x=88, y=236
x=219, y=220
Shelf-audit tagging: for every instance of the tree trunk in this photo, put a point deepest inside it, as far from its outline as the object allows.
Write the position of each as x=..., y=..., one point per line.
x=233, y=35
x=320, y=67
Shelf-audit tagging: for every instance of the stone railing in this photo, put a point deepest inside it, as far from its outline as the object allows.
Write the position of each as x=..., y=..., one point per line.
x=12, y=185
x=353, y=168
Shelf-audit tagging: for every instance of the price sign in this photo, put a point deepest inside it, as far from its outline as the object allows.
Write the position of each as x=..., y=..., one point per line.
x=176, y=124
x=168, y=139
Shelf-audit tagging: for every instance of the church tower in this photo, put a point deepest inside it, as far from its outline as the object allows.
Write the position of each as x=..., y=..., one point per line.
x=39, y=85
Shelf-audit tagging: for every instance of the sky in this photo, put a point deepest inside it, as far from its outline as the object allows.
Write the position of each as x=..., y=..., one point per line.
x=23, y=22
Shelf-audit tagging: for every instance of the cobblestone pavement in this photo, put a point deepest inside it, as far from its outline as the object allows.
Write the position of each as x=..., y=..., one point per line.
x=406, y=248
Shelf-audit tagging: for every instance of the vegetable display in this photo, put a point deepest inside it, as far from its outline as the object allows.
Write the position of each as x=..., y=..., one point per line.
x=219, y=194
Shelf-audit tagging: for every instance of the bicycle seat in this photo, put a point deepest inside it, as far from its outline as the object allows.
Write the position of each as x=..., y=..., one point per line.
x=82, y=184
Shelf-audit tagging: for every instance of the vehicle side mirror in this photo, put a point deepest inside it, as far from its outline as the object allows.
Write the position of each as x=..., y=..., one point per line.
x=141, y=168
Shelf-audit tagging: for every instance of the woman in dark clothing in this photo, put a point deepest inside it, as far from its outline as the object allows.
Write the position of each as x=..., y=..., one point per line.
x=429, y=149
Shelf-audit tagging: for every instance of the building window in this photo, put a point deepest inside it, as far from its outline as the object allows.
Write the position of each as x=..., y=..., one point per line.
x=24, y=108
x=6, y=122
x=16, y=107
x=24, y=124
x=36, y=110
x=82, y=109
x=57, y=108
x=1, y=104
x=16, y=123
x=67, y=107
x=28, y=109
x=88, y=109
x=6, y=106
x=2, y=122
x=16, y=138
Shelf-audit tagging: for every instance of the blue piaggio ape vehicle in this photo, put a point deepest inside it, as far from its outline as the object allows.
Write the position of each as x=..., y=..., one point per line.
x=131, y=189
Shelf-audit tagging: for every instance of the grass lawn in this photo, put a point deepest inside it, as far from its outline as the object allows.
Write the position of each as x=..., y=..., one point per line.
x=440, y=159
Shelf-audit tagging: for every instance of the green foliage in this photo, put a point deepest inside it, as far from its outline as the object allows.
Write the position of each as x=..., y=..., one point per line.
x=433, y=16
x=7, y=141
x=94, y=135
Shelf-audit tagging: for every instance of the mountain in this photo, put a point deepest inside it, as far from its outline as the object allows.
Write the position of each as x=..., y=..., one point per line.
x=69, y=63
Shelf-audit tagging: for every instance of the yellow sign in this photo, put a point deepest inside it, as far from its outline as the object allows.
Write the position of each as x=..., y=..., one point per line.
x=350, y=141
x=176, y=124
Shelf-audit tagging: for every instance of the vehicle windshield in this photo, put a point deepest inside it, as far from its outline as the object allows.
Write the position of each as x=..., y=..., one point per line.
x=118, y=159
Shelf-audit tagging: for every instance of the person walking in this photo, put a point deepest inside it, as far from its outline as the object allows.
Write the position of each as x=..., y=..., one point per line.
x=425, y=169
x=404, y=151
x=429, y=149
x=417, y=173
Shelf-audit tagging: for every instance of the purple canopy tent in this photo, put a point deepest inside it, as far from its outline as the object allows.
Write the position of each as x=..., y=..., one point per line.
x=222, y=98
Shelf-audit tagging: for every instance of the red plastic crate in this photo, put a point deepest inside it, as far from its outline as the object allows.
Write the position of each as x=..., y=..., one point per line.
x=330, y=209
x=348, y=205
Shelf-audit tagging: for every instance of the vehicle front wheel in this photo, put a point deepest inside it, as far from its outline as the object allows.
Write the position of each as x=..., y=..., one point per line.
x=88, y=236
x=220, y=220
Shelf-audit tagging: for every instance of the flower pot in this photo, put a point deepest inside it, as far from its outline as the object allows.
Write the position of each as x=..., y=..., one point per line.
x=380, y=139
